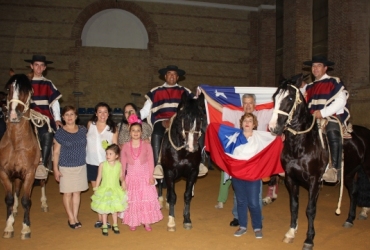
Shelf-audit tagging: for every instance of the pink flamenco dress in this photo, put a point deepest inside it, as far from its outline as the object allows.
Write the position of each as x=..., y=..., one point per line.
x=143, y=206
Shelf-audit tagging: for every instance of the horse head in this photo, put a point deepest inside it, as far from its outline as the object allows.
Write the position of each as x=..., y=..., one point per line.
x=287, y=101
x=188, y=122
x=19, y=96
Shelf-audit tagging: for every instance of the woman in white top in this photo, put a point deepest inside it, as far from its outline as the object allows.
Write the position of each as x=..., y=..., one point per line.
x=102, y=131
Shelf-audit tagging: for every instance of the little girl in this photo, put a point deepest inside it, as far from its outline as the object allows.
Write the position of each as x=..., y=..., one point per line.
x=137, y=158
x=109, y=197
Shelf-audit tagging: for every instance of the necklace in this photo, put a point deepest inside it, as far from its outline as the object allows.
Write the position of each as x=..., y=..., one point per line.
x=132, y=151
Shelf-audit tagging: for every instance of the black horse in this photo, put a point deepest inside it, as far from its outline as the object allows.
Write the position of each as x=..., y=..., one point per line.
x=181, y=154
x=304, y=158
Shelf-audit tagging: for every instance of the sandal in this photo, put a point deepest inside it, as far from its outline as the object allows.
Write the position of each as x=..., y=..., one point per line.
x=78, y=225
x=73, y=226
x=115, y=229
x=105, y=230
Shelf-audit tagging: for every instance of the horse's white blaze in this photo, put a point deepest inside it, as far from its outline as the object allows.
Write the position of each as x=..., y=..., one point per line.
x=13, y=114
x=278, y=99
x=9, y=224
x=191, y=137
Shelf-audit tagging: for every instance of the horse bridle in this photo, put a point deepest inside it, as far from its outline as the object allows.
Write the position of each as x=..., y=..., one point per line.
x=26, y=105
x=290, y=114
x=183, y=133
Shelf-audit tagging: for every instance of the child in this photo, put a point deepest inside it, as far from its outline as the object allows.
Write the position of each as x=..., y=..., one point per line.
x=137, y=158
x=109, y=197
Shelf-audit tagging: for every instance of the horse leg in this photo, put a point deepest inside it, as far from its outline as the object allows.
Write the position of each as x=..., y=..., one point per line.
x=187, y=199
x=44, y=205
x=311, y=214
x=363, y=213
x=293, y=190
x=9, y=201
x=352, y=192
x=26, y=204
x=171, y=199
x=17, y=188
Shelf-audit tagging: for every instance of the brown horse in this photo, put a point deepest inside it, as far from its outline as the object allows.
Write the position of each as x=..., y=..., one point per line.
x=19, y=152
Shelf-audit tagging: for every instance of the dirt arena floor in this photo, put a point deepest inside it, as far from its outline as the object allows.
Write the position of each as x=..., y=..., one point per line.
x=211, y=228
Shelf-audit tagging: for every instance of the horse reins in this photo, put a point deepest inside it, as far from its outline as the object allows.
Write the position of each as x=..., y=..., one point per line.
x=193, y=131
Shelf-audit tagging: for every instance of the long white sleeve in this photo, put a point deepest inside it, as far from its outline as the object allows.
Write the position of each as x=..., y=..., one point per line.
x=56, y=111
x=336, y=107
x=145, y=111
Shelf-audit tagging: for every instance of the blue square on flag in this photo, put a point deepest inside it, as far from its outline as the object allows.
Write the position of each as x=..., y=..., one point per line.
x=223, y=95
x=230, y=138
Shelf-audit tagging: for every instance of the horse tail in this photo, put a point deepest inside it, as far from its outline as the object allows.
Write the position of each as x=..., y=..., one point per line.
x=363, y=189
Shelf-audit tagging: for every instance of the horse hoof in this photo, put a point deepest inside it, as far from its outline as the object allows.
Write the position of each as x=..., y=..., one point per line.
x=45, y=209
x=347, y=225
x=8, y=235
x=307, y=246
x=26, y=236
x=171, y=229
x=288, y=240
x=361, y=217
x=188, y=226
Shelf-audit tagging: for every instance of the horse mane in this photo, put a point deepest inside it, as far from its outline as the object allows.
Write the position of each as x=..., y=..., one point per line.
x=21, y=82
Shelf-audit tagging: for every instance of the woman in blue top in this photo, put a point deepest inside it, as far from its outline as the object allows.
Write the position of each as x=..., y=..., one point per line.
x=70, y=163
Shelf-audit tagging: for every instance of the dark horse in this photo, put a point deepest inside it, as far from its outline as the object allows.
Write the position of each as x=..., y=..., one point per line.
x=181, y=154
x=19, y=153
x=305, y=159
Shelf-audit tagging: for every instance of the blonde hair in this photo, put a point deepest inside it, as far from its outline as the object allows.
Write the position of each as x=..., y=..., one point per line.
x=247, y=115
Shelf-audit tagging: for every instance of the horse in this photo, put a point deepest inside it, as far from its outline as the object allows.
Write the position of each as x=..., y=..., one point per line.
x=181, y=154
x=305, y=157
x=19, y=153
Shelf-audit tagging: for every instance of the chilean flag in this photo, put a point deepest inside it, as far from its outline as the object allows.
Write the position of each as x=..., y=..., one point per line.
x=221, y=140
x=231, y=97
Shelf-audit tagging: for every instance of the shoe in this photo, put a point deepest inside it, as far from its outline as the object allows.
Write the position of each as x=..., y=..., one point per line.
x=330, y=175
x=99, y=224
x=147, y=227
x=78, y=225
x=258, y=234
x=115, y=229
x=203, y=170
x=219, y=205
x=73, y=226
x=234, y=223
x=158, y=172
x=104, y=230
x=240, y=232
x=132, y=228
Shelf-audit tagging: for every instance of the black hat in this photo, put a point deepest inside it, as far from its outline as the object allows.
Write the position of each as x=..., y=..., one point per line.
x=164, y=71
x=319, y=59
x=38, y=58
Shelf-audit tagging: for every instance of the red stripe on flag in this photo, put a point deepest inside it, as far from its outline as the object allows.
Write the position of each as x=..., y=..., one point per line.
x=264, y=164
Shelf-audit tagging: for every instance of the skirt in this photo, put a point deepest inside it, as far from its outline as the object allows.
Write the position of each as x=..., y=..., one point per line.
x=73, y=179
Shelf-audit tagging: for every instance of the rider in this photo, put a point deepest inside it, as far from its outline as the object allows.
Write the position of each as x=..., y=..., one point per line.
x=44, y=100
x=327, y=96
x=160, y=106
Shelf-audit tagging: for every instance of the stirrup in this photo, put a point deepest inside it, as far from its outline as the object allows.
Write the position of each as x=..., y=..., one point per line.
x=330, y=175
x=203, y=170
x=158, y=172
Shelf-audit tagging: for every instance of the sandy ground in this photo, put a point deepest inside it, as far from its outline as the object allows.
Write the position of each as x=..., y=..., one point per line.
x=211, y=228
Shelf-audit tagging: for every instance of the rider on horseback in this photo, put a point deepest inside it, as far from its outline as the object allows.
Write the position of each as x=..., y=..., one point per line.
x=44, y=100
x=326, y=96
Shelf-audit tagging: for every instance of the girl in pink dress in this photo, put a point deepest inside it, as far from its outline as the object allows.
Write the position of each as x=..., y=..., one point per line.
x=137, y=160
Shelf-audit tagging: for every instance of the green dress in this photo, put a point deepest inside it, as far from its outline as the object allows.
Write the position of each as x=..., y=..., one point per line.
x=109, y=197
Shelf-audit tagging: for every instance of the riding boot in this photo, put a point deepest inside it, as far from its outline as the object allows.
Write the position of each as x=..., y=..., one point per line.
x=335, y=145
x=156, y=142
x=46, y=143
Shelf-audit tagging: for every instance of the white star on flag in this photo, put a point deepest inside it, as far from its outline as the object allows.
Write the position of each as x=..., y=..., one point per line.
x=232, y=138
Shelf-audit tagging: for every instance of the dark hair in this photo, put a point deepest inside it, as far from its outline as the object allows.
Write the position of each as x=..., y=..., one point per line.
x=134, y=124
x=115, y=148
x=124, y=120
x=69, y=108
x=110, y=122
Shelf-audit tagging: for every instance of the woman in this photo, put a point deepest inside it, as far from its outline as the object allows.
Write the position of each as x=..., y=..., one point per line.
x=102, y=132
x=70, y=163
x=248, y=192
x=123, y=127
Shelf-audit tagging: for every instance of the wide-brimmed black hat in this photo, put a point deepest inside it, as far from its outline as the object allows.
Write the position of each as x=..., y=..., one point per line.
x=164, y=71
x=319, y=59
x=38, y=58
